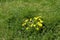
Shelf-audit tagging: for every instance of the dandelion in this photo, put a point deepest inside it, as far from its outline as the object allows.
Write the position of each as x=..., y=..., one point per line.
x=32, y=23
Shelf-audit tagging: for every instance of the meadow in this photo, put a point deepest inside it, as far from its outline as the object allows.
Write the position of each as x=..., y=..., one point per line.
x=12, y=13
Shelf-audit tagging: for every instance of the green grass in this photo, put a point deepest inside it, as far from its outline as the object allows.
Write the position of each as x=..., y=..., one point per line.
x=14, y=11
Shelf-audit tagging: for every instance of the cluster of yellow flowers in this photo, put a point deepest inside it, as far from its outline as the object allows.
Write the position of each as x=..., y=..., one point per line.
x=35, y=23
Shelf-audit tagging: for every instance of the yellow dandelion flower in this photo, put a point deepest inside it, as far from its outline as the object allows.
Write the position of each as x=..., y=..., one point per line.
x=23, y=24
x=26, y=20
x=39, y=24
x=37, y=29
x=27, y=28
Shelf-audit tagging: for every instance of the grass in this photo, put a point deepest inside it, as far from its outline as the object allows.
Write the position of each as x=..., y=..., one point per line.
x=13, y=12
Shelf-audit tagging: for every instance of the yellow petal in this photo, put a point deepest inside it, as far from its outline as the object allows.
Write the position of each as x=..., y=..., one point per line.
x=31, y=25
x=37, y=29
x=26, y=20
x=30, y=19
x=39, y=24
x=23, y=24
x=40, y=20
x=34, y=25
x=36, y=18
x=27, y=28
